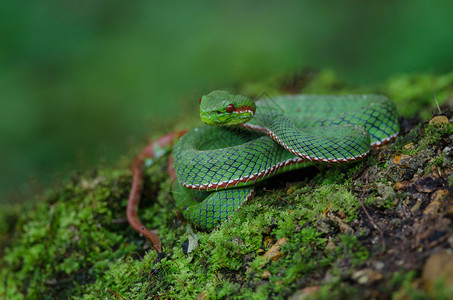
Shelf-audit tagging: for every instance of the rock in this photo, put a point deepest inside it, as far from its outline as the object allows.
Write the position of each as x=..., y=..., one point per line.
x=366, y=276
x=450, y=241
x=238, y=240
x=447, y=151
x=305, y=293
x=415, y=209
x=385, y=191
x=449, y=212
x=268, y=241
x=266, y=274
x=330, y=245
x=408, y=146
x=402, y=185
x=274, y=253
x=437, y=198
x=379, y=265
x=402, y=160
x=395, y=223
x=291, y=190
x=439, y=265
x=438, y=120
x=324, y=224
x=344, y=228
x=403, y=167
x=427, y=184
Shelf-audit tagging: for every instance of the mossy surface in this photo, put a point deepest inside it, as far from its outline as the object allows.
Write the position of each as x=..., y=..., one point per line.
x=323, y=232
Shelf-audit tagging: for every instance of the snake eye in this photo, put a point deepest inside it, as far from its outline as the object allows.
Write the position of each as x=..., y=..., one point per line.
x=200, y=100
x=230, y=108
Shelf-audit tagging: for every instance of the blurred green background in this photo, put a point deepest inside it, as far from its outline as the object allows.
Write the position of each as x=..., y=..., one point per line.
x=84, y=82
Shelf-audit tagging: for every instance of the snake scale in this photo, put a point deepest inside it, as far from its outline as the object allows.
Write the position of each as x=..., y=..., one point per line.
x=249, y=141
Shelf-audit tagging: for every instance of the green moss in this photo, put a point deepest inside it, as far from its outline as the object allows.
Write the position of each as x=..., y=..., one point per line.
x=75, y=242
x=70, y=244
x=435, y=133
x=64, y=240
x=424, y=137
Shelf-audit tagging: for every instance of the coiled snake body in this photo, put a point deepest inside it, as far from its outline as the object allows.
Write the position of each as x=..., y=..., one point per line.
x=217, y=165
x=287, y=132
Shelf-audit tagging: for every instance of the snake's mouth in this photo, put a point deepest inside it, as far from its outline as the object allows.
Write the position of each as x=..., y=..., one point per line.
x=220, y=118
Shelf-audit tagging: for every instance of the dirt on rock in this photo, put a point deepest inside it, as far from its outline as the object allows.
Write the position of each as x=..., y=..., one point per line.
x=410, y=226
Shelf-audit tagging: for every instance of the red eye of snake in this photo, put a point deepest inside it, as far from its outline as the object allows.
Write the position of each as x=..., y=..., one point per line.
x=230, y=108
x=200, y=100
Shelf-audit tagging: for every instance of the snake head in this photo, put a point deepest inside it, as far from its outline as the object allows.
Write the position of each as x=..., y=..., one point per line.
x=220, y=108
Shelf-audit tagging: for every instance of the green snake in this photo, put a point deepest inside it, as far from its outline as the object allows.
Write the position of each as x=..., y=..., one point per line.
x=249, y=141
